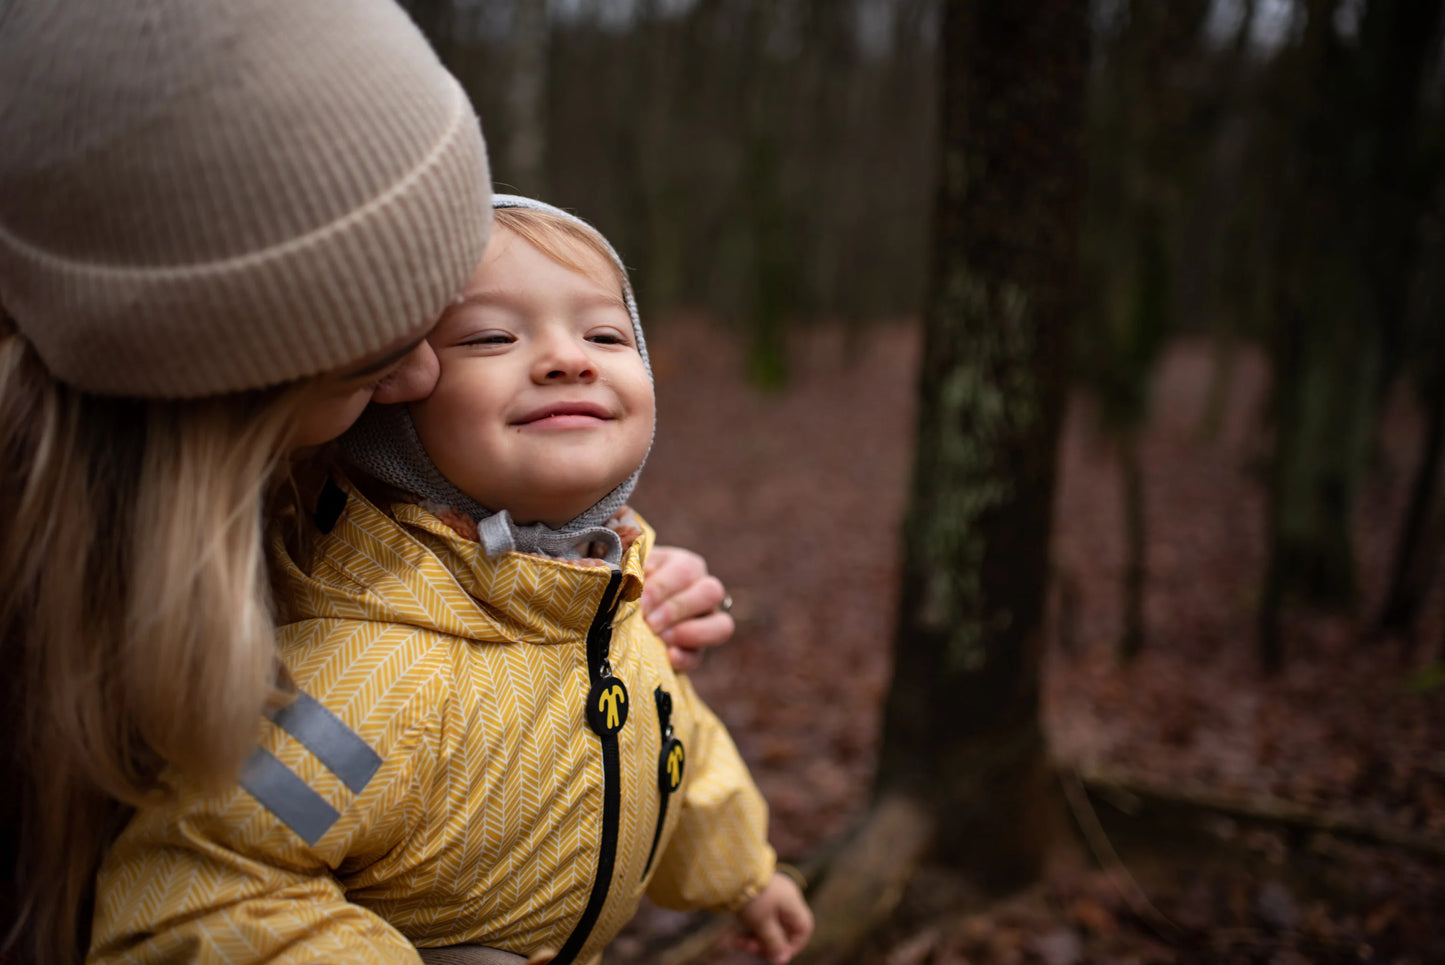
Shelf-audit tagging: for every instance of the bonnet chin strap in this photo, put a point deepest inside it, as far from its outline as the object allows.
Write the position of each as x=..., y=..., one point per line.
x=500, y=534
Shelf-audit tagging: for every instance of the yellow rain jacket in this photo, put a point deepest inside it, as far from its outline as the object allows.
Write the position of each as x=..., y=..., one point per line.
x=480, y=753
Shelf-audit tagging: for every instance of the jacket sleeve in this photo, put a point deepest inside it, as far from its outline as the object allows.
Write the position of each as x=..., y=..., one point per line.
x=249, y=874
x=718, y=857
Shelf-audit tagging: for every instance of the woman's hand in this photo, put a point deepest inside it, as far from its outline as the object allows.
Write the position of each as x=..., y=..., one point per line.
x=681, y=603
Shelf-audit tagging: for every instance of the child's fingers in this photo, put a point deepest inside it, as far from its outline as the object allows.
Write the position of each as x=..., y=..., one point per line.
x=775, y=945
x=798, y=923
x=747, y=943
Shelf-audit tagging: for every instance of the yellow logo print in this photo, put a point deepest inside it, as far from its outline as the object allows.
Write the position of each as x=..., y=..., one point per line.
x=674, y=765
x=610, y=702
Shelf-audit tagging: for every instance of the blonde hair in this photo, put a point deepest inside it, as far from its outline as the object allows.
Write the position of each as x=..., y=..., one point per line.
x=137, y=610
x=562, y=240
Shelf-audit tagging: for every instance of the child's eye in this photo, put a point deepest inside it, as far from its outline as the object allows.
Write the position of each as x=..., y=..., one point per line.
x=490, y=338
x=608, y=338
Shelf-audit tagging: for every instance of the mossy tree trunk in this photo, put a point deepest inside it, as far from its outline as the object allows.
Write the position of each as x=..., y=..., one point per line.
x=962, y=733
x=964, y=779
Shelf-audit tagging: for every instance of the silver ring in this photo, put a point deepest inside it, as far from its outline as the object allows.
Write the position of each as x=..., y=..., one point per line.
x=726, y=606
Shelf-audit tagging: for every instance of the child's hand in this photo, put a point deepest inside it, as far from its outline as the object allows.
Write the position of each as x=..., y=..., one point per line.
x=777, y=920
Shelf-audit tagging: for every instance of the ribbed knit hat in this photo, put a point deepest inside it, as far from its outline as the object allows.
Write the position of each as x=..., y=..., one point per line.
x=384, y=443
x=202, y=197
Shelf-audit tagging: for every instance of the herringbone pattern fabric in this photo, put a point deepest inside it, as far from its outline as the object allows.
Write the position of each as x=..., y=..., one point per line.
x=482, y=824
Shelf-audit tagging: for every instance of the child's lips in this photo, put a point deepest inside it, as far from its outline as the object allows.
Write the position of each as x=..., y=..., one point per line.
x=564, y=415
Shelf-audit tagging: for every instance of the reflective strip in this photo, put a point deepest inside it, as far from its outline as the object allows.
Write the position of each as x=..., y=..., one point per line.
x=287, y=796
x=322, y=733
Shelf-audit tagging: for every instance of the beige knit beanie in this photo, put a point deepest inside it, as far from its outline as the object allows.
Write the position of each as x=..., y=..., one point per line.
x=198, y=197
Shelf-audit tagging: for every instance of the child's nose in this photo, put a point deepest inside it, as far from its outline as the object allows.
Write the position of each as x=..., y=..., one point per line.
x=563, y=360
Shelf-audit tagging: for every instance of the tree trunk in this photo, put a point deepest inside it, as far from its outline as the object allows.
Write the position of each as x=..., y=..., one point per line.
x=1322, y=396
x=1135, y=547
x=1410, y=577
x=524, y=163
x=1399, y=44
x=964, y=777
x=1351, y=205
x=962, y=732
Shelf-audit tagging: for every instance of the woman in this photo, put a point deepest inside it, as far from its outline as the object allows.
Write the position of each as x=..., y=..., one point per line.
x=224, y=229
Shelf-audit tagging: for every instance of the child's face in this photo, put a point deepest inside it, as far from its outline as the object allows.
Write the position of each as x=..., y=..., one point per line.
x=543, y=405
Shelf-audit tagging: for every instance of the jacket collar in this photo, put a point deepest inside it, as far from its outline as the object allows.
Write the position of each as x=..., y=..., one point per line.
x=409, y=567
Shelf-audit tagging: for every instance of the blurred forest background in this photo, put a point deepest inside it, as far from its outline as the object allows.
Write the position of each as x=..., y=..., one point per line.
x=1238, y=659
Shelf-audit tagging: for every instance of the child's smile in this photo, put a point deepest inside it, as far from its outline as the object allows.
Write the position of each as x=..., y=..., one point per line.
x=564, y=415
x=544, y=404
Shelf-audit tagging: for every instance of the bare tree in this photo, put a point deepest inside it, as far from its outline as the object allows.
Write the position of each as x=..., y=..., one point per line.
x=524, y=165
x=963, y=774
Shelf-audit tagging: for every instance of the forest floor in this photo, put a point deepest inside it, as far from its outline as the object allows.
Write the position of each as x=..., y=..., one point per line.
x=796, y=498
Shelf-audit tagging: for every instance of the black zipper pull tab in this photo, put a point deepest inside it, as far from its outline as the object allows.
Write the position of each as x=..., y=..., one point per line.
x=607, y=705
x=670, y=761
x=607, y=697
x=672, y=758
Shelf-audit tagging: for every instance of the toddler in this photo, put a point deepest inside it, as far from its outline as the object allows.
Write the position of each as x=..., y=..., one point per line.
x=488, y=750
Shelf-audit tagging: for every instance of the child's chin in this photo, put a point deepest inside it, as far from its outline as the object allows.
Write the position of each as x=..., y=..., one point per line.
x=555, y=513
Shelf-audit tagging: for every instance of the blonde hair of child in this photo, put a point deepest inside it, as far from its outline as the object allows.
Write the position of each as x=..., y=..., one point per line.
x=562, y=240
x=136, y=612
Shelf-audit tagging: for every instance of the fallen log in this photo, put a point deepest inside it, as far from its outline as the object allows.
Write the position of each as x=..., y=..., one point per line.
x=1129, y=793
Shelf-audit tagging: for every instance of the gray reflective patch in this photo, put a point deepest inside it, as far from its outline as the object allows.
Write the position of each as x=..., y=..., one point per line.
x=322, y=733
x=287, y=796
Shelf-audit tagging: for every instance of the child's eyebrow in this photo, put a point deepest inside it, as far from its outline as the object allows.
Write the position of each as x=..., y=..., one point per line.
x=507, y=297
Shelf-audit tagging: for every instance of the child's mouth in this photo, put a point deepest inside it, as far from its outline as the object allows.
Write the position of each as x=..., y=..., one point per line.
x=568, y=415
x=564, y=422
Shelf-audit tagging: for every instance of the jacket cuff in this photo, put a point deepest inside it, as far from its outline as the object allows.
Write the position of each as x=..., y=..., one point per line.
x=766, y=869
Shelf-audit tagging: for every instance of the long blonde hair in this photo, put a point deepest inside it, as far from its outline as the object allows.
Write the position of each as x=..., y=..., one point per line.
x=136, y=611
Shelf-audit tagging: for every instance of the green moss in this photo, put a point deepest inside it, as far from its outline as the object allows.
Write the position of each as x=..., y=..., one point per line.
x=985, y=399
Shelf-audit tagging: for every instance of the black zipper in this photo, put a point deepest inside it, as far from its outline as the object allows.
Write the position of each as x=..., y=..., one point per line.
x=606, y=714
x=670, y=761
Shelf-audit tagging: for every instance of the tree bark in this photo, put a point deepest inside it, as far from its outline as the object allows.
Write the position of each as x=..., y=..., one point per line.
x=524, y=163
x=1321, y=404
x=1136, y=569
x=962, y=732
x=1414, y=559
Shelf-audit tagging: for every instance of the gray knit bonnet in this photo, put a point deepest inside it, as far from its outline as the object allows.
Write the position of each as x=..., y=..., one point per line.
x=204, y=197
x=384, y=443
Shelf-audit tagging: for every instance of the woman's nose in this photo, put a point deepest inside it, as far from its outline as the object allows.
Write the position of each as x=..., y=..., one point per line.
x=414, y=379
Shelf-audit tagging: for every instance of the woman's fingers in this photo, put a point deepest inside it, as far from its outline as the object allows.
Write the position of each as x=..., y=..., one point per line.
x=700, y=633
x=697, y=601
x=680, y=602
x=670, y=569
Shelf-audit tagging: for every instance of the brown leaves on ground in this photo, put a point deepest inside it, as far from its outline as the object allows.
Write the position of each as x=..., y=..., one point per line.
x=796, y=497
